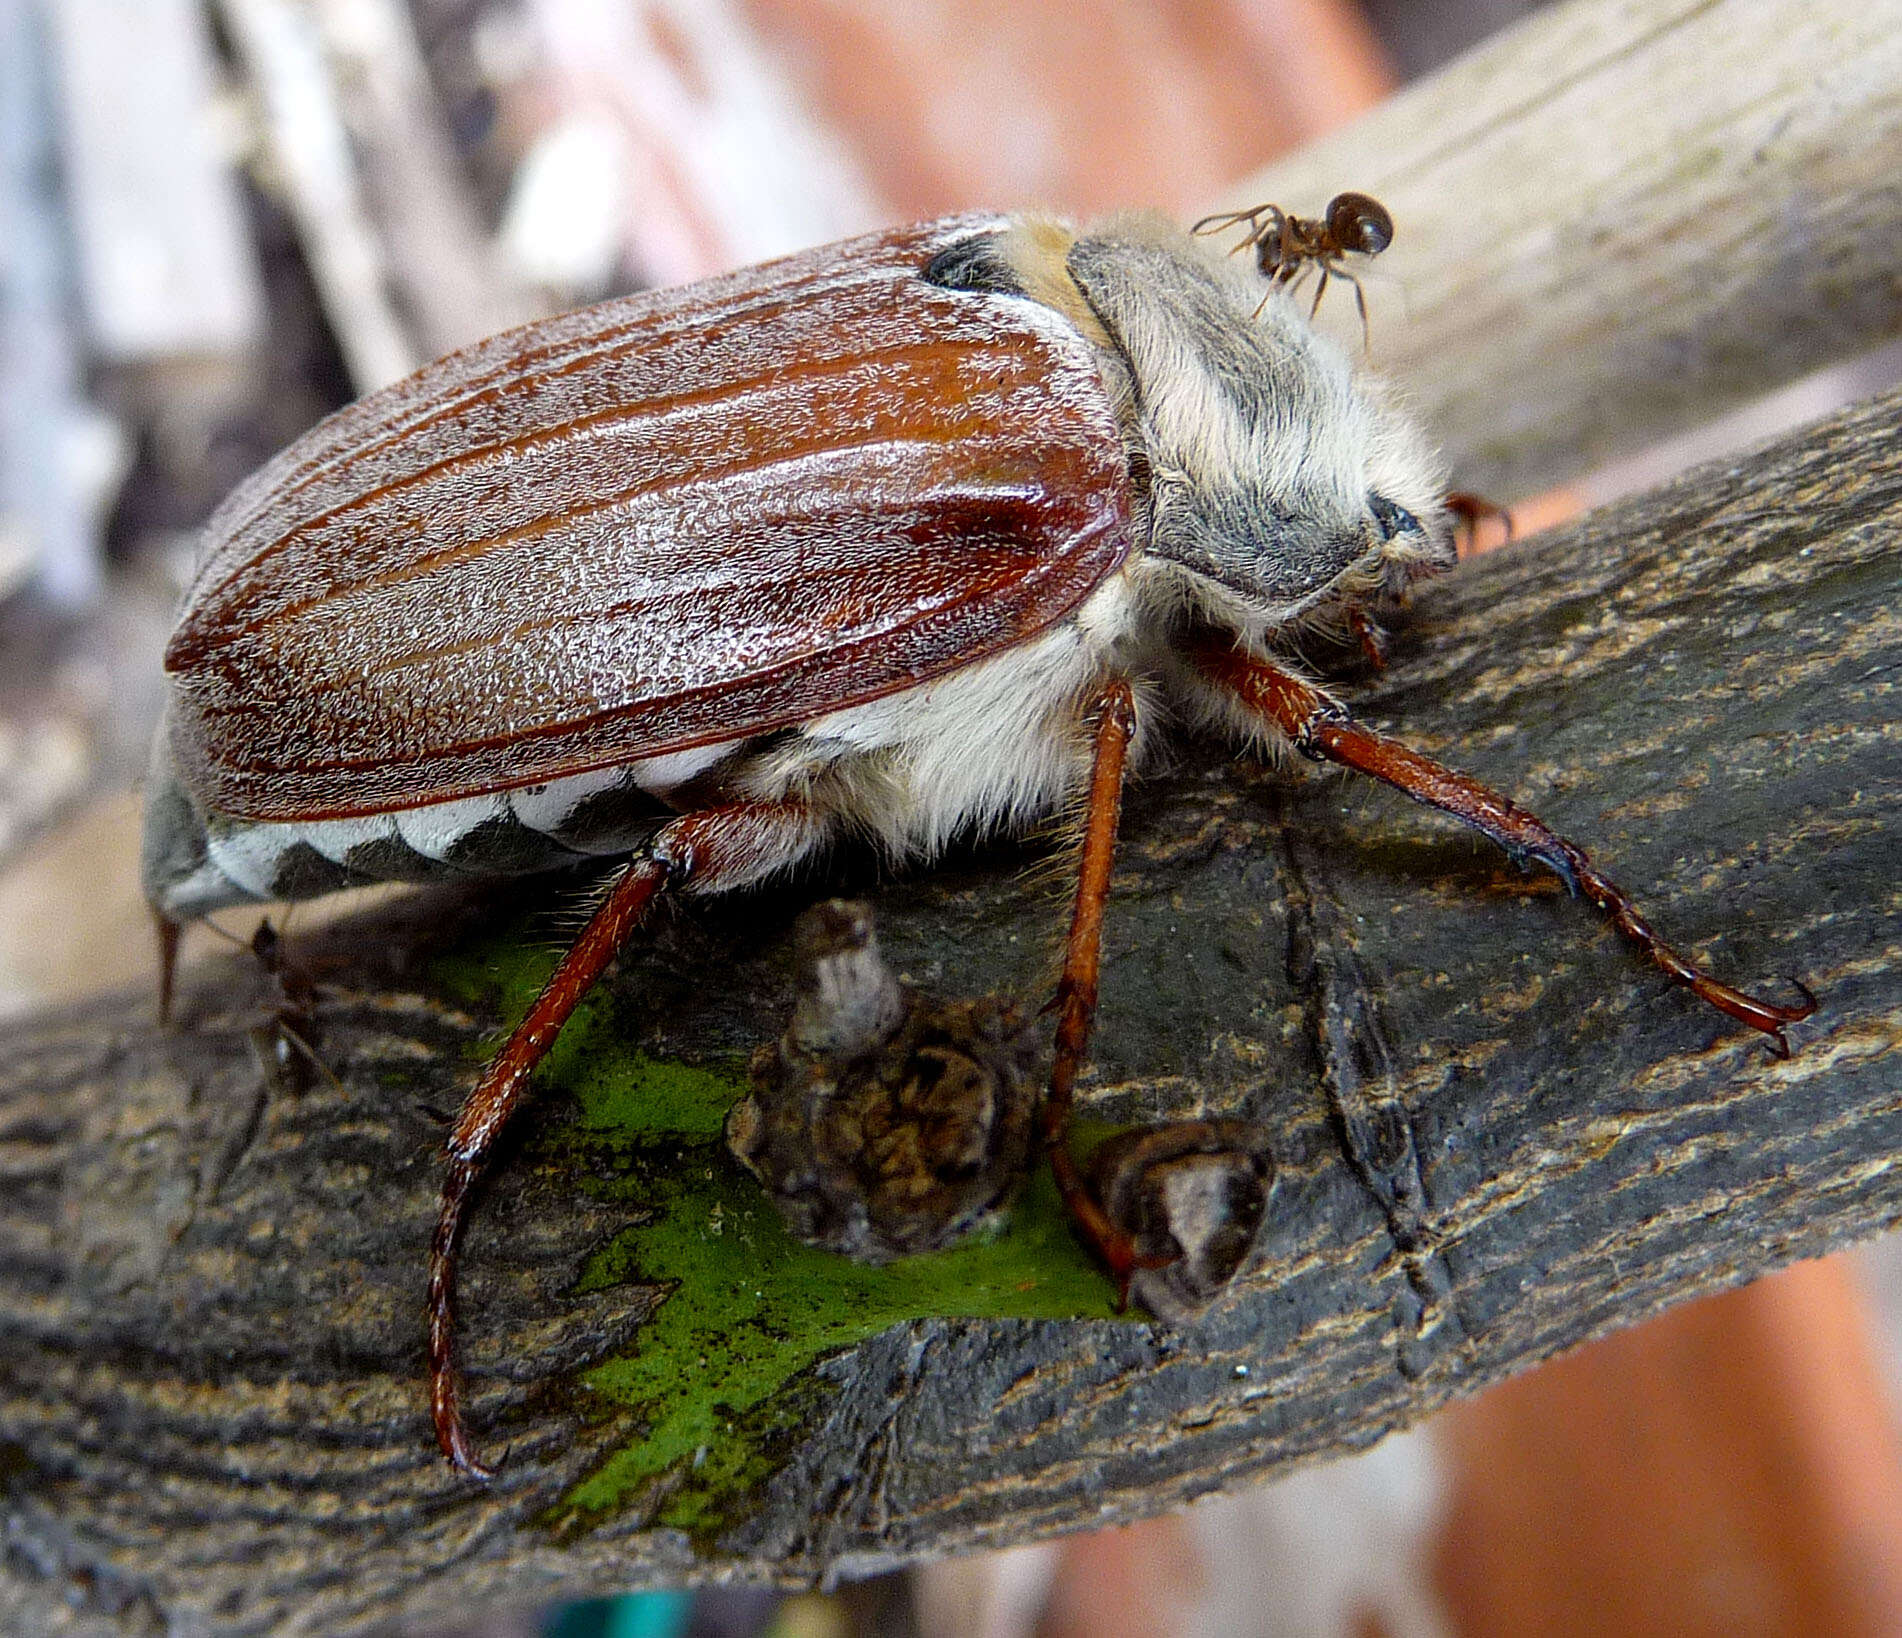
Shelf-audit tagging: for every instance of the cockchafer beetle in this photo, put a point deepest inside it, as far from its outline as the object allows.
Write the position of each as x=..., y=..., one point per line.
x=906, y=537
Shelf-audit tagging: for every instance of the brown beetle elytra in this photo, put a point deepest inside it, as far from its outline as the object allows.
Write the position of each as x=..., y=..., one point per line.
x=897, y=539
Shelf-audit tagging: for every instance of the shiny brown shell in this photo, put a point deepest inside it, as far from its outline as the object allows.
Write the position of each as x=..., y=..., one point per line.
x=668, y=520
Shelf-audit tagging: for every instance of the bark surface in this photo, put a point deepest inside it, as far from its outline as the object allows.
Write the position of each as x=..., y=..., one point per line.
x=1497, y=1133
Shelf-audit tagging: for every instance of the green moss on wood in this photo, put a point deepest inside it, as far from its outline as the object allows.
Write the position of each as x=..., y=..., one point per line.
x=722, y=1377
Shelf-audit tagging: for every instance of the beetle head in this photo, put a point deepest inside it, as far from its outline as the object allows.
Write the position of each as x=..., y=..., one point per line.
x=1275, y=475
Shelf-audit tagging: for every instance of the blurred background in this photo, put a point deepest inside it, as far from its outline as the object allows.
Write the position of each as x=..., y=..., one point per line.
x=221, y=219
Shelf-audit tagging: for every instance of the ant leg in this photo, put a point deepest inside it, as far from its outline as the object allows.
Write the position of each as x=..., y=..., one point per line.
x=1225, y=219
x=711, y=851
x=1360, y=306
x=1325, y=731
x=1320, y=290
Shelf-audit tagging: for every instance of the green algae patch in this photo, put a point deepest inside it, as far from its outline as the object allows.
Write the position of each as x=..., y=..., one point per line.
x=621, y=1092
x=504, y=970
x=722, y=1374
x=752, y=1308
x=723, y=1378
x=618, y=1089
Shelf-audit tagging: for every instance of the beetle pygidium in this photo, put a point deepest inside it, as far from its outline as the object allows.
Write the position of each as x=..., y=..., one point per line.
x=899, y=538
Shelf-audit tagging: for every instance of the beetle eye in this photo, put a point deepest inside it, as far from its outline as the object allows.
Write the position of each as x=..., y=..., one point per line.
x=1392, y=520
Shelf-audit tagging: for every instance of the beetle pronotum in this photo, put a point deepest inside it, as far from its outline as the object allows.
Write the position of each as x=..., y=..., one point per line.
x=900, y=538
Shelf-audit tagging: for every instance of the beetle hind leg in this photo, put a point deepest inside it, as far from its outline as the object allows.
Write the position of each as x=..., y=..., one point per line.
x=710, y=851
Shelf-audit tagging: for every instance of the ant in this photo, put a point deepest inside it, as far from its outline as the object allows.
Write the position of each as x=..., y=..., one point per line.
x=1286, y=246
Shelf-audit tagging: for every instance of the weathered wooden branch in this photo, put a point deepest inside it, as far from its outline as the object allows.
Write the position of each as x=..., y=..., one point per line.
x=1497, y=1133
x=1618, y=220
x=455, y=288
x=309, y=148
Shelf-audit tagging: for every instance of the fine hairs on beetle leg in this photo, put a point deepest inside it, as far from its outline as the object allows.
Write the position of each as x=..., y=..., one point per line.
x=941, y=487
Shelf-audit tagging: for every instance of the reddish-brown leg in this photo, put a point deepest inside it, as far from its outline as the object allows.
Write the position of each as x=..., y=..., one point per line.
x=723, y=847
x=1323, y=730
x=1470, y=511
x=1115, y=720
x=168, y=932
x=1368, y=634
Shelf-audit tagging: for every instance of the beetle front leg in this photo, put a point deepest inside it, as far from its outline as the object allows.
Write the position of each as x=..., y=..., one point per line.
x=1115, y=724
x=719, y=849
x=1323, y=730
x=1470, y=511
x=1365, y=630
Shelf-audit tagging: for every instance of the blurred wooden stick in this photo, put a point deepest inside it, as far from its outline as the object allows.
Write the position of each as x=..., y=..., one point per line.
x=165, y=262
x=313, y=165
x=454, y=284
x=1617, y=220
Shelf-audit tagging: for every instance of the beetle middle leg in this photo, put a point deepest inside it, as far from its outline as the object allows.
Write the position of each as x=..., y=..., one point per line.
x=711, y=851
x=1115, y=724
x=1325, y=731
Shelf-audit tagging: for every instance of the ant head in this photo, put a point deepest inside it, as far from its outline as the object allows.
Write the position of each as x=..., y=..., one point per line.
x=1359, y=223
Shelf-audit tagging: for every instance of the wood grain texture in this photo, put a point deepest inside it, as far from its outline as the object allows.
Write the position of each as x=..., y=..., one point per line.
x=1497, y=1133
x=1621, y=218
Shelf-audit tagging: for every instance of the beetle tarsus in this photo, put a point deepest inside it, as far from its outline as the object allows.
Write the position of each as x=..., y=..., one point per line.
x=1323, y=729
x=1366, y=631
x=1111, y=1246
x=1114, y=1246
x=445, y=1388
x=1469, y=512
x=1763, y=1015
